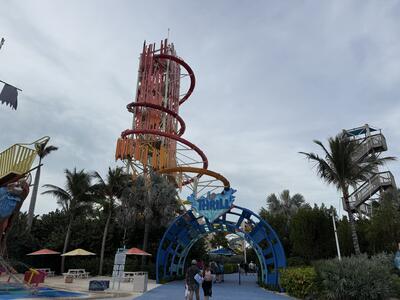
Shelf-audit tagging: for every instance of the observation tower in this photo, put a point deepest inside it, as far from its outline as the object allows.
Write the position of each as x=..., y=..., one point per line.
x=372, y=144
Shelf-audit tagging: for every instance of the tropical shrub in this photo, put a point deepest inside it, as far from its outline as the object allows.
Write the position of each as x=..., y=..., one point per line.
x=296, y=261
x=230, y=268
x=299, y=282
x=356, y=277
x=395, y=285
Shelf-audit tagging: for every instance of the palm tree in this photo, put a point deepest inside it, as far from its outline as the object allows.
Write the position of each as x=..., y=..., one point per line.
x=151, y=199
x=285, y=204
x=340, y=169
x=159, y=206
x=107, y=192
x=73, y=199
x=128, y=211
x=42, y=150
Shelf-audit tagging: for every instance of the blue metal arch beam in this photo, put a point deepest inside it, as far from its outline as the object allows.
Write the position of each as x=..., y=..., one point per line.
x=186, y=230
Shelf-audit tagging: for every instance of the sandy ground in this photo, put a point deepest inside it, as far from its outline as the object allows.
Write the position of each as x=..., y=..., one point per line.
x=82, y=285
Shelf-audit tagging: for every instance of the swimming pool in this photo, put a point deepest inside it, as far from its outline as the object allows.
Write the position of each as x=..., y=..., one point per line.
x=12, y=291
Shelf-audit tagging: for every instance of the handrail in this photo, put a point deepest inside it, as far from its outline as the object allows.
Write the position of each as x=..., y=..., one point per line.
x=365, y=191
x=39, y=141
x=368, y=143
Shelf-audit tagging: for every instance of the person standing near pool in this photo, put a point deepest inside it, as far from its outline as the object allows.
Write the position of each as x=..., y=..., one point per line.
x=191, y=283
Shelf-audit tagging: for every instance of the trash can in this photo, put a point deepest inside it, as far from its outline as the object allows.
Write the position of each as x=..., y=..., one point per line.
x=69, y=279
x=99, y=285
x=140, y=282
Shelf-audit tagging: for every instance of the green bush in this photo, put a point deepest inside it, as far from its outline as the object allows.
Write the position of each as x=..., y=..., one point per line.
x=356, y=277
x=395, y=285
x=299, y=282
x=230, y=268
x=296, y=261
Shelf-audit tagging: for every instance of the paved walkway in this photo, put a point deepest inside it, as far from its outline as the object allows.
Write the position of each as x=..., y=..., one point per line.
x=229, y=290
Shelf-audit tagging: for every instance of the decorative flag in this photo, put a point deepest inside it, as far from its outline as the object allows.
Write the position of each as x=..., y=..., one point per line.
x=9, y=96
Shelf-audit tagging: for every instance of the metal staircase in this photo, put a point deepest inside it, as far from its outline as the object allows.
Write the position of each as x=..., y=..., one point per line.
x=371, y=144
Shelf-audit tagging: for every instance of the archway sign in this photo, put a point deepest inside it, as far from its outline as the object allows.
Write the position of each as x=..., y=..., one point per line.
x=216, y=213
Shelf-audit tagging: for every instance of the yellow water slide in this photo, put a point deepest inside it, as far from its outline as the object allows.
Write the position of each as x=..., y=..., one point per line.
x=16, y=161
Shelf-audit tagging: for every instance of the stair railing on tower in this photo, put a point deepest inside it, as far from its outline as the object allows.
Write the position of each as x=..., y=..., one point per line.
x=371, y=143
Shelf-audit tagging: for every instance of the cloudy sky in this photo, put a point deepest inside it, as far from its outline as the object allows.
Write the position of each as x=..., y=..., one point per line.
x=271, y=77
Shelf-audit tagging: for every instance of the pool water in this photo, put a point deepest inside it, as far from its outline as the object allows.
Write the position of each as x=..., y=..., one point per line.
x=18, y=292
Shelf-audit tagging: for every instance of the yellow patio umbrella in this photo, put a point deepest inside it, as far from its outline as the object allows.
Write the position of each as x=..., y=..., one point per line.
x=78, y=252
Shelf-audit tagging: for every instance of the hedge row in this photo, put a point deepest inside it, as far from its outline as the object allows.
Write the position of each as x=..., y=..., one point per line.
x=356, y=277
x=299, y=282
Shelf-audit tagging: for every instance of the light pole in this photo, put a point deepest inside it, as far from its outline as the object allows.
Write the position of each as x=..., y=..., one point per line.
x=336, y=236
x=243, y=225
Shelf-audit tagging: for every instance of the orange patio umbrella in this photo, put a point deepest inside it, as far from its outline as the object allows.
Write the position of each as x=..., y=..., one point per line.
x=44, y=252
x=137, y=251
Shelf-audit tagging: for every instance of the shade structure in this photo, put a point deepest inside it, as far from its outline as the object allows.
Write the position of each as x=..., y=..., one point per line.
x=222, y=251
x=137, y=251
x=44, y=252
x=78, y=252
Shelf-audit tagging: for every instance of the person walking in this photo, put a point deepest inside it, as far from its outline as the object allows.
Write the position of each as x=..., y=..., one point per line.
x=246, y=268
x=200, y=265
x=207, y=282
x=221, y=272
x=192, y=285
x=214, y=270
x=252, y=267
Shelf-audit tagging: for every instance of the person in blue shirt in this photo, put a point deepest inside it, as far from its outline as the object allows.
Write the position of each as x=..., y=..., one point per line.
x=12, y=196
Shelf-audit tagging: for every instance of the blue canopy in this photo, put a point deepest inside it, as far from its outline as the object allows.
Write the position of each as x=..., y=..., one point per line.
x=222, y=251
x=359, y=130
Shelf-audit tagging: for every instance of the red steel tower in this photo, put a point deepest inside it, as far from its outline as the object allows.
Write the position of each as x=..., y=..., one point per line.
x=155, y=142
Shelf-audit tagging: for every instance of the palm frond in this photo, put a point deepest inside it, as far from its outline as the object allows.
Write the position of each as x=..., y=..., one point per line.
x=319, y=143
x=46, y=151
x=324, y=170
x=56, y=191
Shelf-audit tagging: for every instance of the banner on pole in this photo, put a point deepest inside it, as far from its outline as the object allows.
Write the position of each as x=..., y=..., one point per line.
x=9, y=95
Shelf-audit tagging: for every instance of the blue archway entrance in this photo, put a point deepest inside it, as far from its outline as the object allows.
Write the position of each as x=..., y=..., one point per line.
x=187, y=229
